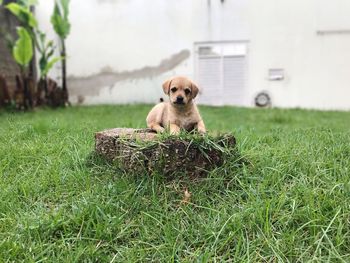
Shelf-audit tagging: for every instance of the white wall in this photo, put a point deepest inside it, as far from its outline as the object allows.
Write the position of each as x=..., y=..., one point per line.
x=137, y=44
x=284, y=35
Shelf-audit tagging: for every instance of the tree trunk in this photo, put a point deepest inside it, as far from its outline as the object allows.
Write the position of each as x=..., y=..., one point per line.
x=28, y=102
x=8, y=67
x=19, y=94
x=64, y=73
x=5, y=98
x=46, y=91
x=140, y=150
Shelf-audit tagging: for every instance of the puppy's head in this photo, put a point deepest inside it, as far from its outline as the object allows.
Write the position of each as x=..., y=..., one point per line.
x=181, y=90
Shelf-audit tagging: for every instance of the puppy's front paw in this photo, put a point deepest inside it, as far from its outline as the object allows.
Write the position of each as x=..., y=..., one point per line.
x=201, y=127
x=174, y=129
x=160, y=130
x=175, y=132
x=202, y=131
x=156, y=127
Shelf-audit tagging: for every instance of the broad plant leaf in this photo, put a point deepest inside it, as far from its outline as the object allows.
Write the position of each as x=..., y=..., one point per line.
x=23, y=49
x=23, y=14
x=41, y=38
x=65, y=8
x=59, y=18
x=50, y=64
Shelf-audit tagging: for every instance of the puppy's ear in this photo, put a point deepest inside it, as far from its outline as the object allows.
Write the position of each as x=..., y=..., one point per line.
x=194, y=89
x=166, y=86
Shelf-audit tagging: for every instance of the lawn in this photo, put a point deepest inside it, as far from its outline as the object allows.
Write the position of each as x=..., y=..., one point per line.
x=290, y=202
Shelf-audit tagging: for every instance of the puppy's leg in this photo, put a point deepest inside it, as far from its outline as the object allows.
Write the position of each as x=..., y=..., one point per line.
x=201, y=127
x=174, y=129
x=156, y=127
x=154, y=118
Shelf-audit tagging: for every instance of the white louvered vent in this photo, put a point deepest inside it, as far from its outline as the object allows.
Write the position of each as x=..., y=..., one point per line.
x=221, y=72
x=209, y=75
x=234, y=84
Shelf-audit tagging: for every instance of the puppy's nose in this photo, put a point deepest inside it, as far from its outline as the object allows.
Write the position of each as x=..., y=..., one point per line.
x=179, y=99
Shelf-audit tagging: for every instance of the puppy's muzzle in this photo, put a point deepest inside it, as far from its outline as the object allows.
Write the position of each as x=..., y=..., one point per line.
x=179, y=100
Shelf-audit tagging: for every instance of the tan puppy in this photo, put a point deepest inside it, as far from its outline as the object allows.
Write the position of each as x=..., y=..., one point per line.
x=180, y=112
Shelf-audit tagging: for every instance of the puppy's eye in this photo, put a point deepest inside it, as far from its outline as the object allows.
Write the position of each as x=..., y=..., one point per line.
x=174, y=89
x=187, y=91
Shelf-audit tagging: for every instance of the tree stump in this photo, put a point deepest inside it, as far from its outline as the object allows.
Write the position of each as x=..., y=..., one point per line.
x=139, y=150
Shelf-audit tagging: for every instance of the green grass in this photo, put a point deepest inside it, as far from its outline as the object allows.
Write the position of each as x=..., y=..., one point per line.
x=290, y=202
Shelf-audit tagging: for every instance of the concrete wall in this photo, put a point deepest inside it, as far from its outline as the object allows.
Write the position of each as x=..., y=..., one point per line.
x=288, y=35
x=120, y=51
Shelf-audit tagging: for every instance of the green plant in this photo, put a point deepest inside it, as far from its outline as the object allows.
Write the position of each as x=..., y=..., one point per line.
x=25, y=16
x=22, y=50
x=45, y=48
x=61, y=25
